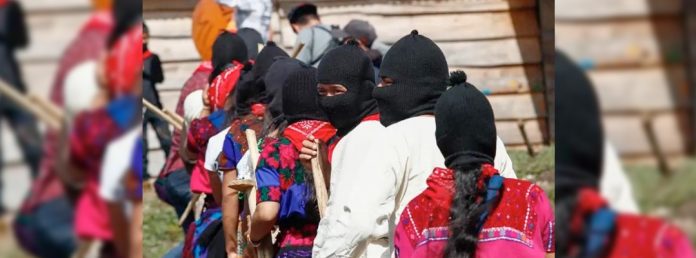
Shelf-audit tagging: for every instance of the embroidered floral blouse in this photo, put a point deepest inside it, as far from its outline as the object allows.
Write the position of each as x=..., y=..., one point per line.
x=521, y=225
x=281, y=178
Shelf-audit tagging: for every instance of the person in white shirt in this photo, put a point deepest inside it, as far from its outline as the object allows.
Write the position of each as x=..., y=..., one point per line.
x=118, y=161
x=614, y=184
x=253, y=14
x=393, y=169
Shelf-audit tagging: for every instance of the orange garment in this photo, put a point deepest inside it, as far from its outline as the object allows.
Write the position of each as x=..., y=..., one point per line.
x=100, y=5
x=209, y=19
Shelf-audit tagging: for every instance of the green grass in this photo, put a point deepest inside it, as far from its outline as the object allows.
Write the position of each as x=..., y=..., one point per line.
x=674, y=195
x=538, y=169
x=160, y=228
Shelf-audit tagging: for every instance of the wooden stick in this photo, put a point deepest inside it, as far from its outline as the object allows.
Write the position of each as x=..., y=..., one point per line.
x=188, y=209
x=297, y=50
x=265, y=249
x=655, y=144
x=173, y=115
x=319, y=183
x=523, y=132
x=51, y=108
x=24, y=102
x=163, y=115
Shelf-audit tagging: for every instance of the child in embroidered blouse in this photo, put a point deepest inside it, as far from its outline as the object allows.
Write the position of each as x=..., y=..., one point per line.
x=468, y=209
x=285, y=193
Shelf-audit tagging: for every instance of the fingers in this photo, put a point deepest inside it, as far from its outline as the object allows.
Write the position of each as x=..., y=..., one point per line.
x=309, y=144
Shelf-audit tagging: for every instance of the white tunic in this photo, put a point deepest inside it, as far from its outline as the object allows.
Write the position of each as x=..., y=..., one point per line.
x=375, y=173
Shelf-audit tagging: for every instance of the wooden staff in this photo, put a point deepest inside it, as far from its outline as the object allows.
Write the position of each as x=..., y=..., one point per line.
x=34, y=108
x=189, y=206
x=297, y=50
x=48, y=106
x=319, y=183
x=171, y=120
x=265, y=249
x=655, y=147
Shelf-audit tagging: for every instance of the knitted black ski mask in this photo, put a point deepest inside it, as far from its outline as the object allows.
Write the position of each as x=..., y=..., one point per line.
x=274, y=81
x=300, y=96
x=465, y=125
x=253, y=90
x=349, y=66
x=419, y=72
x=579, y=135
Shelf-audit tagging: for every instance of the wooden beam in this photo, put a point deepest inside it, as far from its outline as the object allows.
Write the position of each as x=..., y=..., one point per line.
x=598, y=9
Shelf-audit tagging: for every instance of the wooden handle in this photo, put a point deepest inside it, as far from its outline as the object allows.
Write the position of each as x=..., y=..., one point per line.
x=242, y=185
x=297, y=50
x=188, y=209
x=265, y=249
x=48, y=106
x=178, y=125
x=319, y=185
x=25, y=103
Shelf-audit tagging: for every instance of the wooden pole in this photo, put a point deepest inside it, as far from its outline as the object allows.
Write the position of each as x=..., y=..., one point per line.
x=523, y=132
x=171, y=120
x=34, y=108
x=189, y=207
x=297, y=50
x=265, y=249
x=51, y=108
x=319, y=183
x=655, y=145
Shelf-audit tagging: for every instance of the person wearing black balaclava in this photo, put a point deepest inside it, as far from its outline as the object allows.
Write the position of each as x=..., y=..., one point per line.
x=586, y=225
x=414, y=75
x=227, y=150
x=465, y=201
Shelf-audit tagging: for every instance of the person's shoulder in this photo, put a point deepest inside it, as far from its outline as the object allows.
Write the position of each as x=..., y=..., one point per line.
x=528, y=189
x=648, y=236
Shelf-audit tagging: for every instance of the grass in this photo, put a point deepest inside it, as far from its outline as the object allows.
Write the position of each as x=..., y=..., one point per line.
x=160, y=228
x=538, y=169
x=672, y=197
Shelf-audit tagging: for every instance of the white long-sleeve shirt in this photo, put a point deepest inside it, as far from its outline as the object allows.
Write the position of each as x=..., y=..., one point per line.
x=614, y=184
x=374, y=174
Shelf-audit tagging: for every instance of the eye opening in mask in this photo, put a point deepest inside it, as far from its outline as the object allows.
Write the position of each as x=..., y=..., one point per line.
x=329, y=89
x=385, y=82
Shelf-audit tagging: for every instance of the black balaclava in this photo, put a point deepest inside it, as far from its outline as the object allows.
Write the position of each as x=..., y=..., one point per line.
x=228, y=47
x=579, y=144
x=252, y=88
x=265, y=59
x=465, y=125
x=579, y=136
x=349, y=66
x=300, y=96
x=252, y=39
x=419, y=71
x=275, y=80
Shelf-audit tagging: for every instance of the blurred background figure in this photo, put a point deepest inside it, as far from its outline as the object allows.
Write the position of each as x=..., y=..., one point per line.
x=638, y=58
x=586, y=224
x=252, y=14
x=152, y=75
x=316, y=37
x=14, y=35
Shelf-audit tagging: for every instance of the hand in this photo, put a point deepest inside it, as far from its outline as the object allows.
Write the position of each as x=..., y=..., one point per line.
x=232, y=255
x=309, y=148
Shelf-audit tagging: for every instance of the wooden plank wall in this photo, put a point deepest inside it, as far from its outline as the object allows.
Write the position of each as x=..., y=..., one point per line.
x=635, y=53
x=497, y=42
